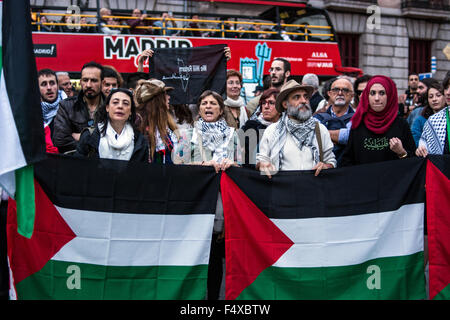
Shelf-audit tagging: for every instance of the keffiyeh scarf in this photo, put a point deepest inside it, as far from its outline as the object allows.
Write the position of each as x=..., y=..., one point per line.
x=215, y=136
x=302, y=132
x=116, y=146
x=434, y=132
x=49, y=110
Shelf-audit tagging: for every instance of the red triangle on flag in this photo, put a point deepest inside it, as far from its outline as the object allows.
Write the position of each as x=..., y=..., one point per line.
x=51, y=233
x=438, y=225
x=252, y=241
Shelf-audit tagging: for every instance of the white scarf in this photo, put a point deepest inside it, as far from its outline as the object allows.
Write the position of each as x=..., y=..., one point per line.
x=239, y=103
x=116, y=146
x=215, y=136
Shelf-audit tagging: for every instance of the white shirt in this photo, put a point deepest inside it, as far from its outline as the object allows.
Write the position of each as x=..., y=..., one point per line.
x=294, y=158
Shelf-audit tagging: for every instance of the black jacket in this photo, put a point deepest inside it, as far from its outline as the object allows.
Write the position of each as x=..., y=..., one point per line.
x=88, y=146
x=72, y=117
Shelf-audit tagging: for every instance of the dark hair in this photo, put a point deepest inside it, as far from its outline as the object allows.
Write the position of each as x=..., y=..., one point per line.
x=446, y=82
x=111, y=73
x=182, y=113
x=427, y=110
x=133, y=79
x=286, y=64
x=362, y=79
x=101, y=115
x=413, y=74
x=215, y=95
x=267, y=94
x=94, y=64
x=47, y=72
x=326, y=87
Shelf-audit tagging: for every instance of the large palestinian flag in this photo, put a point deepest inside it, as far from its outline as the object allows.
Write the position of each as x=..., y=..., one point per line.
x=350, y=233
x=115, y=230
x=438, y=222
x=21, y=126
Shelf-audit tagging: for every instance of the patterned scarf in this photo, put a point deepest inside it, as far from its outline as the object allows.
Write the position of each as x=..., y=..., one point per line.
x=434, y=133
x=302, y=132
x=215, y=136
x=160, y=144
x=49, y=110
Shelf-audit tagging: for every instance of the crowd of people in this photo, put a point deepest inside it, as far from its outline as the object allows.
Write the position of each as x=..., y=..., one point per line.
x=289, y=126
x=142, y=23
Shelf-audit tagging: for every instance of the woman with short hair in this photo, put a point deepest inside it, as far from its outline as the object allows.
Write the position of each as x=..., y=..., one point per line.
x=213, y=142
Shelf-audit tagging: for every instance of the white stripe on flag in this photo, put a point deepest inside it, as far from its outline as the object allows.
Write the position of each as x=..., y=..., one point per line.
x=124, y=239
x=351, y=240
x=10, y=147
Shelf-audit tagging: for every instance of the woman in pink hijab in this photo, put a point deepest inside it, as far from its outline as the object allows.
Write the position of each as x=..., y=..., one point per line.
x=377, y=133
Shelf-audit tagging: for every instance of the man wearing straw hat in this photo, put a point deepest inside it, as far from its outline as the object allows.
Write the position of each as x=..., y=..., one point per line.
x=297, y=141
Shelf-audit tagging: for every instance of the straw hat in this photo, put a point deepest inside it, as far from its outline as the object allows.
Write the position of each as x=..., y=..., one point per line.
x=289, y=87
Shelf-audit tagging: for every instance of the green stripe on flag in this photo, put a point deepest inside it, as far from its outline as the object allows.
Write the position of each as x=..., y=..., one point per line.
x=382, y=278
x=444, y=294
x=65, y=280
x=25, y=200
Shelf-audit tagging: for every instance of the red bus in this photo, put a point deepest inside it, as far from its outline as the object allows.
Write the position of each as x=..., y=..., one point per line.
x=297, y=32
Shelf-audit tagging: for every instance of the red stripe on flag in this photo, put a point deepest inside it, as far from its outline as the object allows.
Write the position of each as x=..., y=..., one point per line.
x=438, y=225
x=253, y=242
x=50, y=234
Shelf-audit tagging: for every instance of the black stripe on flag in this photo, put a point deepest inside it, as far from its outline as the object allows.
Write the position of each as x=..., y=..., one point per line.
x=126, y=187
x=442, y=162
x=19, y=68
x=190, y=71
x=370, y=188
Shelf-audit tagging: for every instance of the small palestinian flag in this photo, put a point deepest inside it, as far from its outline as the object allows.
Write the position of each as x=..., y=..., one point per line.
x=350, y=233
x=21, y=126
x=438, y=222
x=115, y=230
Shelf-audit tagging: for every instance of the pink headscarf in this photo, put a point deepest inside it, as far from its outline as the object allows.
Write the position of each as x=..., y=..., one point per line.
x=377, y=122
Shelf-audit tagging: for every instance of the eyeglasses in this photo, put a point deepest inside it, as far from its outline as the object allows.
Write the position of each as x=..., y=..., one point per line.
x=358, y=92
x=344, y=90
x=272, y=103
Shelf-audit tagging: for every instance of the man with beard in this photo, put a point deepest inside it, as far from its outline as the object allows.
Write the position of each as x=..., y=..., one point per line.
x=338, y=115
x=421, y=100
x=77, y=113
x=50, y=95
x=407, y=101
x=280, y=70
x=297, y=141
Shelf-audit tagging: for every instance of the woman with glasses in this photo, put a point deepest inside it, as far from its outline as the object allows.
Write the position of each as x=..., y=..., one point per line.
x=377, y=133
x=156, y=121
x=265, y=115
x=114, y=135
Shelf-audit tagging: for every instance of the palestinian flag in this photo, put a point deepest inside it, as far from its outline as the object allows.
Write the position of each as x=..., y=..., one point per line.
x=21, y=126
x=438, y=222
x=350, y=233
x=111, y=229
